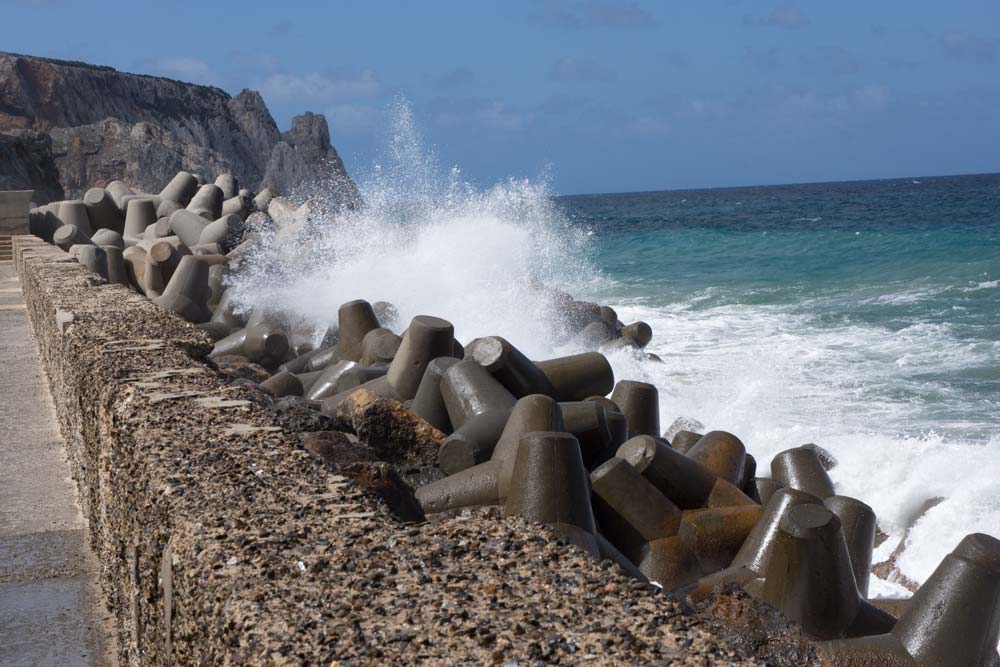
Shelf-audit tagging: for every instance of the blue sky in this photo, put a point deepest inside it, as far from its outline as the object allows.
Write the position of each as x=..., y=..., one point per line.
x=602, y=96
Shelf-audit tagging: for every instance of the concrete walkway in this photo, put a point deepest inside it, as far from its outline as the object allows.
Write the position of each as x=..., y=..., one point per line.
x=51, y=611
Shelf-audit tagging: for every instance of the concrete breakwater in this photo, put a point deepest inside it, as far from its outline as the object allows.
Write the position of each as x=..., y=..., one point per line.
x=420, y=428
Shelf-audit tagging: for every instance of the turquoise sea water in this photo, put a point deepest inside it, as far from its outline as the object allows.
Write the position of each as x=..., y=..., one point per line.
x=863, y=316
x=899, y=277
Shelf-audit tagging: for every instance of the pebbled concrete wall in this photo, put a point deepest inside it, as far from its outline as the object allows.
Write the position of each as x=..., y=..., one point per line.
x=223, y=541
x=181, y=476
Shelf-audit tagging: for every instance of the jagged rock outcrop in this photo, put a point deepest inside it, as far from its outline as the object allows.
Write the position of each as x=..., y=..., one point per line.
x=26, y=164
x=106, y=125
x=304, y=160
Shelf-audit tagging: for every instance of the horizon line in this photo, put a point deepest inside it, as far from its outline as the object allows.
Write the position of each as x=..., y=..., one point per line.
x=774, y=185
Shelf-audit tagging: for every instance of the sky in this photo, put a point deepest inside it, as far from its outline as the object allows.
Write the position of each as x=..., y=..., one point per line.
x=596, y=96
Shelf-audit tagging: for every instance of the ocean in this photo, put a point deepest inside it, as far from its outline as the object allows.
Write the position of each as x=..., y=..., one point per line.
x=863, y=317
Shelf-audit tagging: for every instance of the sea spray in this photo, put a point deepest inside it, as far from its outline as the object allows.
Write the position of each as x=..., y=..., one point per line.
x=429, y=243
x=774, y=377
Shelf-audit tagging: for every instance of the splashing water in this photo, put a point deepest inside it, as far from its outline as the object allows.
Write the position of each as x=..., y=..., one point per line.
x=429, y=244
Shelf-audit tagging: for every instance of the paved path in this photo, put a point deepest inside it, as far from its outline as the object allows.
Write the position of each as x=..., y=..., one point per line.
x=51, y=612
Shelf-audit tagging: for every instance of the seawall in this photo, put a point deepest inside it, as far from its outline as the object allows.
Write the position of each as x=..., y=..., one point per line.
x=223, y=540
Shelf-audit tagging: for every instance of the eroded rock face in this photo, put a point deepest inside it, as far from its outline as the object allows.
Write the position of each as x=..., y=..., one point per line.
x=304, y=158
x=26, y=163
x=108, y=125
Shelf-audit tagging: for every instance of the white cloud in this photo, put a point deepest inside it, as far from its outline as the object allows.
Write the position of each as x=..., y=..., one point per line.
x=320, y=88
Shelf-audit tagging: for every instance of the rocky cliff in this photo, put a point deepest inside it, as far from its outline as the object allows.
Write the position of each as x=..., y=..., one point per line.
x=100, y=124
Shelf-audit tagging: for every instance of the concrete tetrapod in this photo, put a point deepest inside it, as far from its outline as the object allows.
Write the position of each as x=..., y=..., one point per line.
x=74, y=213
x=755, y=553
x=187, y=226
x=508, y=365
x=475, y=486
x=165, y=255
x=589, y=422
x=616, y=422
x=750, y=563
x=355, y=319
x=359, y=376
x=826, y=458
x=155, y=199
x=118, y=191
x=140, y=215
x=135, y=266
x=379, y=347
x=532, y=413
x=576, y=377
x=323, y=359
x=725, y=494
x=640, y=403
x=326, y=383
x=154, y=279
x=473, y=443
x=92, y=257
x=764, y=488
x=68, y=236
x=722, y=453
x=224, y=232
x=238, y=206
x=187, y=292
x=181, y=188
x=715, y=535
x=228, y=184
x=299, y=363
x=496, y=434
x=207, y=202
x=167, y=208
x=639, y=333
x=548, y=483
x=858, y=522
x=115, y=261
x=43, y=222
x=102, y=210
x=953, y=620
x=282, y=384
x=684, y=481
x=468, y=389
x=428, y=402
x=259, y=344
x=426, y=338
x=800, y=468
x=749, y=473
x=104, y=237
x=668, y=562
x=684, y=440
x=809, y=577
x=609, y=316
x=630, y=510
